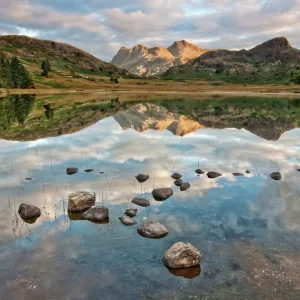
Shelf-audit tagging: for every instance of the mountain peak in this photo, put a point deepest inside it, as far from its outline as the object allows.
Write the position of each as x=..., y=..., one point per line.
x=275, y=43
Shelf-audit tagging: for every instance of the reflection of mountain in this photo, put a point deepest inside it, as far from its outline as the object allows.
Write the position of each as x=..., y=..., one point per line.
x=147, y=116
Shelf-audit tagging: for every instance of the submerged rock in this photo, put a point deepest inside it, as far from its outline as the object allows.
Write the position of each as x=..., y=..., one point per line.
x=189, y=273
x=152, y=229
x=131, y=212
x=185, y=186
x=127, y=221
x=162, y=194
x=96, y=214
x=142, y=178
x=27, y=211
x=88, y=170
x=140, y=201
x=275, y=176
x=181, y=255
x=213, y=174
x=198, y=171
x=81, y=201
x=176, y=176
x=237, y=174
x=178, y=182
x=71, y=171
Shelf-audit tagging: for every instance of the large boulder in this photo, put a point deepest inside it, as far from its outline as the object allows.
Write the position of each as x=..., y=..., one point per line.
x=96, y=214
x=140, y=201
x=71, y=171
x=162, y=194
x=185, y=186
x=176, y=176
x=152, y=229
x=81, y=201
x=142, y=178
x=275, y=176
x=131, y=212
x=127, y=221
x=181, y=255
x=213, y=174
x=27, y=211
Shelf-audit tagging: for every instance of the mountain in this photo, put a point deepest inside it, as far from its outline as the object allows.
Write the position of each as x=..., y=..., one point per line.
x=274, y=61
x=142, y=60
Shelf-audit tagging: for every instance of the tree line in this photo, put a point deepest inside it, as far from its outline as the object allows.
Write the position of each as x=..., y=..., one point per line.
x=13, y=74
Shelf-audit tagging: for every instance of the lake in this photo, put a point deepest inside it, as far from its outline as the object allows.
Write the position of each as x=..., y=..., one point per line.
x=247, y=227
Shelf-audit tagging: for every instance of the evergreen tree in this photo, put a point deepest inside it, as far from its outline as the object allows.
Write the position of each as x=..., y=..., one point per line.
x=46, y=67
x=20, y=77
x=5, y=72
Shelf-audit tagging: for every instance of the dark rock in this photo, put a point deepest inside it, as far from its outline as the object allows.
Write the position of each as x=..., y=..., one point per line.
x=140, y=201
x=162, y=194
x=185, y=186
x=96, y=214
x=81, y=201
x=213, y=174
x=178, y=182
x=127, y=221
x=142, y=178
x=237, y=174
x=27, y=211
x=248, y=172
x=189, y=273
x=198, y=171
x=181, y=255
x=28, y=178
x=71, y=171
x=152, y=229
x=275, y=176
x=298, y=170
x=88, y=170
x=131, y=212
x=176, y=176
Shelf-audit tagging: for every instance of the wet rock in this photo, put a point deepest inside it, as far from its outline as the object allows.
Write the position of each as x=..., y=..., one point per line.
x=27, y=211
x=248, y=172
x=28, y=178
x=152, y=229
x=162, y=194
x=140, y=201
x=185, y=186
x=176, y=176
x=127, y=221
x=275, y=176
x=298, y=170
x=189, y=273
x=178, y=182
x=88, y=170
x=96, y=214
x=198, y=171
x=131, y=212
x=213, y=174
x=71, y=171
x=81, y=201
x=181, y=255
x=142, y=178
x=237, y=174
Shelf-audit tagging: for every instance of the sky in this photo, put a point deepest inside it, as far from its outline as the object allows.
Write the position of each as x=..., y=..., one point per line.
x=101, y=27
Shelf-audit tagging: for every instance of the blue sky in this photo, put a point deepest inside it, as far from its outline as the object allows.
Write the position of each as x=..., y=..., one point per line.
x=101, y=27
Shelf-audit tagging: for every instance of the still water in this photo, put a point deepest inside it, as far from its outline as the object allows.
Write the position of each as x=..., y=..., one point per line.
x=247, y=228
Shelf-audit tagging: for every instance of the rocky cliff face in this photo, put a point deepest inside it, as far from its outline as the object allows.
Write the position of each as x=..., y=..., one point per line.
x=145, y=61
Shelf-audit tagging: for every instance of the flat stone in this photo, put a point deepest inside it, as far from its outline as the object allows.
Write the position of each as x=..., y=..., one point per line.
x=96, y=214
x=142, y=178
x=152, y=229
x=178, y=182
x=162, y=194
x=127, y=221
x=71, y=171
x=213, y=174
x=275, y=176
x=81, y=201
x=131, y=212
x=181, y=255
x=27, y=211
x=237, y=174
x=88, y=170
x=176, y=176
x=185, y=186
x=140, y=201
x=28, y=178
x=198, y=171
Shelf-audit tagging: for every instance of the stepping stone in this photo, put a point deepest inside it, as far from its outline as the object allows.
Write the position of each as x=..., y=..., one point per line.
x=176, y=176
x=237, y=174
x=248, y=172
x=162, y=194
x=275, y=176
x=198, y=171
x=213, y=174
x=178, y=182
x=142, y=178
x=81, y=201
x=152, y=229
x=71, y=171
x=27, y=211
x=88, y=170
x=140, y=201
x=28, y=178
x=131, y=212
x=127, y=221
x=185, y=186
x=96, y=214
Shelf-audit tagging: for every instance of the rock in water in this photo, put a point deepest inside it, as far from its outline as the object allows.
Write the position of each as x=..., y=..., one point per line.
x=71, y=171
x=189, y=273
x=198, y=171
x=185, y=186
x=178, y=182
x=88, y=170
x=140, y=201
x=162, y=194
x=237, y=174
x=298, y=170
x=181, y=255
x=81, y=201
x=248, y=172
x=27, y=211
x=142, y=178
x=213, y=174
x=176, y=176
x=127, y=221
x=96, y=214
x=275, y=176
x=131, y=212
x=152, y=229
